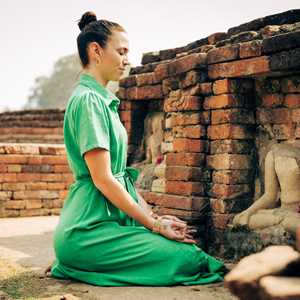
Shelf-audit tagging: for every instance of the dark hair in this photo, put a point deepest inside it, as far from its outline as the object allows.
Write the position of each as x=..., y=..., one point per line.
x=93, y=30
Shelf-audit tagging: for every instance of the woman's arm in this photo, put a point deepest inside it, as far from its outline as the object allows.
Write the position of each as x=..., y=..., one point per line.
x=112, y=188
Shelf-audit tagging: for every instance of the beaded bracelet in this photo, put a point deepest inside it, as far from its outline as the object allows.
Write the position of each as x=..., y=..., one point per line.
x=156, y=225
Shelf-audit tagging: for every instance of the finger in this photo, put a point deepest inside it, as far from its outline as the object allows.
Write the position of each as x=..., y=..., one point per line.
x=190, y=241
x=178, y=224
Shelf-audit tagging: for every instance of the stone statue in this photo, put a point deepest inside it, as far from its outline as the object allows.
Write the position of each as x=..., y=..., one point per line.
x=279, y=205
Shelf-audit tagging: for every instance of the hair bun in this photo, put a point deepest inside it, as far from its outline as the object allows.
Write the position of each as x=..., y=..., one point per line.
x=86, y=18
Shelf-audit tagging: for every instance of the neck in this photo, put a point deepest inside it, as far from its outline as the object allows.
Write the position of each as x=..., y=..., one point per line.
x=91, y=71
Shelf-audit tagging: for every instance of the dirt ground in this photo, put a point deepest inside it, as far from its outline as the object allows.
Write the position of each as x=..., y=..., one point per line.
x=26, y=250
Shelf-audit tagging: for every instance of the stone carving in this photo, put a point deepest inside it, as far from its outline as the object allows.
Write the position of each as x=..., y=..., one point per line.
x=279, y=205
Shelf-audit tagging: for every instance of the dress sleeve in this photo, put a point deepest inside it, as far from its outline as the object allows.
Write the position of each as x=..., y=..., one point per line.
x=92, y=125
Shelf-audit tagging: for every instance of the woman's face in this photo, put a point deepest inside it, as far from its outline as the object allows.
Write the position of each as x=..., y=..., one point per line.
x=114, y=56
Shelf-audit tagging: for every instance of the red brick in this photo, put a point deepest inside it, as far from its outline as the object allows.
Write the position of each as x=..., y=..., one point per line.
x=174, y=201
x=297, y=132
x=232, y=86
x=251, y=66
x=199, y=89
x=183, y=104
x=234, y=115
x=69, y=178
x=185, y=159
x=13, y=159
x=189, y=145
x=146, y=79
x=121, y=94
x=52, y=150
x=284, y=131
x=264, y=116
x=231, y=147
x=291, y=84
x=32, y=212
x=144, y=92
x=36, y=185
x=33, y=203
x=56, y=185
x=126, y=116
x=63, y=194
x=184, y=188
x=232, y=176
x=51, y=177
x=11, y=213
x=35, y=160
x=54, y=159
x=272, y=100
x=230, y=205
x=8, y=177
x=229, y=131
x=191, y=78
x=221, y=54
x=61, y=169
x=292, y=100
x=5, y=195
x=187, y=63
x=15, y=204
x=230, y=190
x=129, y=105
x=14, y=168
x=3, y=168
x=215, y=37
x=220, y=221
x=57, y=203
x=194, y=131
x=296, y=115
x=226, y=101
x=281, y=115
x=251, y=49
x=184, y=173
x=187, y=118
x=13, y=186
x=161, y=71
x=29, y=177
x=128, y=81
x=229, y=161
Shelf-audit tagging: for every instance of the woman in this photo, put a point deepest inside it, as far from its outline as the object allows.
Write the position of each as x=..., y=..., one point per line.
x=107, y=235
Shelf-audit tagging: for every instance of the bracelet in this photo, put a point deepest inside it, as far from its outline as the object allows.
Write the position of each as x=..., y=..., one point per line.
x=156, y=225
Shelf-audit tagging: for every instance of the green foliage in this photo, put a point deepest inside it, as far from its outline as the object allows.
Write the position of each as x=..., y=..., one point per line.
x=54, y=91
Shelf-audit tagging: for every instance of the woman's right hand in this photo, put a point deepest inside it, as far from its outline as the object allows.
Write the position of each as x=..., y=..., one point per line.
x=175, y=230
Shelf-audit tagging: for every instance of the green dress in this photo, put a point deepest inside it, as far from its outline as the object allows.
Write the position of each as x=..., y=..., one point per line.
x=94, y=241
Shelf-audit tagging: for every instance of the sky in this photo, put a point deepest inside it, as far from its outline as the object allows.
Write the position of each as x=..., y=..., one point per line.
x=35, y=34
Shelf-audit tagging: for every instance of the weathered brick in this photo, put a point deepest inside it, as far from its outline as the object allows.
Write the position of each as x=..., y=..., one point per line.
x=291, y=84
x=121, y=94
x=13, y=186
x=61, y=169
x=184, y=103
x=231, y=147
x=242, y=116
x=284, y=131
x=221, y=54
x=29, y=177
x=251, y=66
x=192, y=77
x=229, y=161
x=14, y=168
x=5, y=195
x=186, y=63
x=232, y=176
x=220, y=221
x=56, y=185
x=230, y=204
x=126, y=115
x=146, y=79
x=32, y=212
x=128, y=81
x=215, y=37
x=51, y=177
x=292, y=100
x=15, y=204
x=296, y=115
x=183, y=173
x=63, y=194
x=3, y=168
x=13, y=159
x=174, y=201
x=8, y=177
x=199, y=89
x=185, y=188
x=187, y=118
x=36, y=185
x=229, y=190
x=230, y=131
x=227, y=101
x=251, y=49
x=272, y=100
x=264, y=116
x=129, y=105
x=228, y=86
x=266, y=85
x=281, y=115
x=144, y=92
x=189, y=145
x=285, y=60
x=161, y=71
x=33, y=203
x=185, y=159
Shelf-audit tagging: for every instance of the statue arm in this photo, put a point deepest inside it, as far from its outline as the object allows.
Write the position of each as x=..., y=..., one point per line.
x=269, y=198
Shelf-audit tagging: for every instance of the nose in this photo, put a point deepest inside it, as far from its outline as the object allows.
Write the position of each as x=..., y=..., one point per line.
x=125, y=60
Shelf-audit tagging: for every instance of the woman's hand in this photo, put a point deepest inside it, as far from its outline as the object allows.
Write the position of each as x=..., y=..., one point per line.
x=175, y=230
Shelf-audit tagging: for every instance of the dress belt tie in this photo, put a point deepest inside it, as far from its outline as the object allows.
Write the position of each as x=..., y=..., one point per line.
x=129, y=173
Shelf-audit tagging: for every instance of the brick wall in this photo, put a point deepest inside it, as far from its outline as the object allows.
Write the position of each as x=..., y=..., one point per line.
x=32, y=126
x=34, y=179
